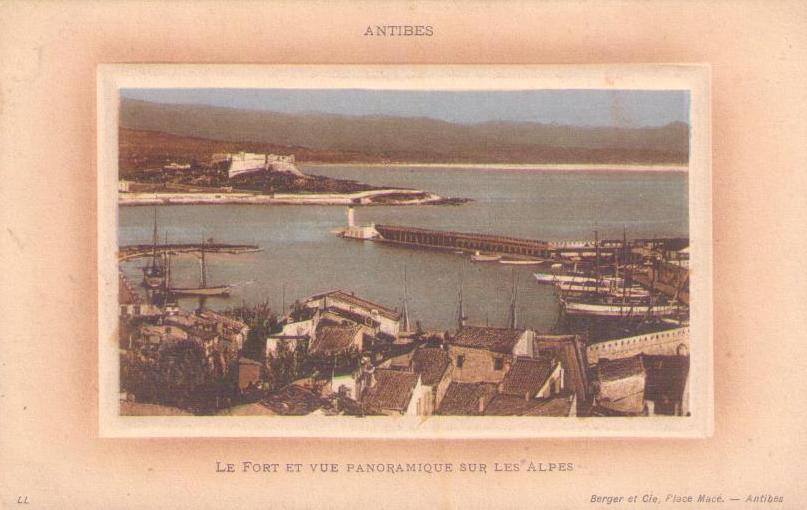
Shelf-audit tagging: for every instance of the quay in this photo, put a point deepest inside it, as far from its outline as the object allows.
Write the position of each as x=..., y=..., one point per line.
x=469, y=242
x=133, y=251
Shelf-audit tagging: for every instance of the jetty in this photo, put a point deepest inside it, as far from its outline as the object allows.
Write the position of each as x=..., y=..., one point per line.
x=134, y=251
x=463, y=241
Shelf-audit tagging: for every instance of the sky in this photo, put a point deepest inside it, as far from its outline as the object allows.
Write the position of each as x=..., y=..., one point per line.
x=623, y=108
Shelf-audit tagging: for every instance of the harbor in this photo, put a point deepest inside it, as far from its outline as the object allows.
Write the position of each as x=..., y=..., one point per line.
x=286, y=232
x=547, y=294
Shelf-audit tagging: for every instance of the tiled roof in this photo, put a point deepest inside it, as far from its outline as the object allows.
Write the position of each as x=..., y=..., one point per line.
x=666, y=377
x=331, y=339
x=360, y=302
x=462, y=399
x=431, y=363
x=293, y=400
x=493, y=339
x=508, y=405
x=568, y=350
x=559, y=405
x=392, y=390
x=527, y=376
x=614, y=369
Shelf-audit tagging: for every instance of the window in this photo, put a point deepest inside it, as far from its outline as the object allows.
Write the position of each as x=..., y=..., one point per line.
x=498, y=364
x=460, y=360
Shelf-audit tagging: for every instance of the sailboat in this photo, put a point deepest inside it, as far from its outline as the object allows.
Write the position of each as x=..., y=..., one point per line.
x=618, y=308
x=203, y=289
x=154, y=271
x=624, y=302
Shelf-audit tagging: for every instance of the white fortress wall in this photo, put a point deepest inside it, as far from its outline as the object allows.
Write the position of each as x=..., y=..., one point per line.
x=662, y=343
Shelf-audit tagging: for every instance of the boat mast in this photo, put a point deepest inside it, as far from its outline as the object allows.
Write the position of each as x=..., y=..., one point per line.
x=405, y=315
x=203, y=268
x=460, y=309
x=154, y=241
x=167, y=265
x=625, y=272
x=513, y=300
x=597, y=255
x=283, y=299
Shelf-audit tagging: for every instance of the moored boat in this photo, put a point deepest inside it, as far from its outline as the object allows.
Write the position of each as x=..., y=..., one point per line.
x=480, y=257
x=221, y=290
x=203, y=289
x=579, y=279
x=615, y=309
x=512, y=262
x=154, y=271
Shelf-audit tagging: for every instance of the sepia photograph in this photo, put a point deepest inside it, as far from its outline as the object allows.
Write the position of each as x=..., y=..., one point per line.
x=424, y=252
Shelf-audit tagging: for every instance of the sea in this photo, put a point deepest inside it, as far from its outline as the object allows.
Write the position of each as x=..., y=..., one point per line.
x=301, y=255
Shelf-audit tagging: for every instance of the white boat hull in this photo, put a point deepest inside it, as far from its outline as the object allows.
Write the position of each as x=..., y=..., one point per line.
x=575, y=279
x=206, y=291
x=485, y=258
x=603, y=289
x=521, y=262
x=618, y=310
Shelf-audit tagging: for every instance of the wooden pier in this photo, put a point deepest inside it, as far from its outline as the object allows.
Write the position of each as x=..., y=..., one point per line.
x=469, y=242
x=142, y=250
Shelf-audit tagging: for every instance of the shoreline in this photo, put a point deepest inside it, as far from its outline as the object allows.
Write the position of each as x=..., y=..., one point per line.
x=359, y=198
x=538, y=167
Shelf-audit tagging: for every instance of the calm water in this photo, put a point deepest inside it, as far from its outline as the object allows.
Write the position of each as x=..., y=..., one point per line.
x=301, y=253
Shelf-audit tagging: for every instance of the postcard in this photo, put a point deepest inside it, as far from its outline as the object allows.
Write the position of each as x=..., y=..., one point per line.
x=404, y=251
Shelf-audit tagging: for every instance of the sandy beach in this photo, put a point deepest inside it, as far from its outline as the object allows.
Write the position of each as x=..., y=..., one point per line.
x=537, y=167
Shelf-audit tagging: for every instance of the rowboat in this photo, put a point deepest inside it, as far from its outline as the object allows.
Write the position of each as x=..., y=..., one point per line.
x=478, y=257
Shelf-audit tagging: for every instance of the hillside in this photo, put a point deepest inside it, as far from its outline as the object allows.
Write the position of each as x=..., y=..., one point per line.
x=341, y=138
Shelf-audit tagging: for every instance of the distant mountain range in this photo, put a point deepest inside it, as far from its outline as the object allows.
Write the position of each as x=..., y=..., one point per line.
x=341, y=138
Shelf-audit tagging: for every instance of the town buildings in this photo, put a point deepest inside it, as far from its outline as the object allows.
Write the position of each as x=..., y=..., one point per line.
x=350, y=356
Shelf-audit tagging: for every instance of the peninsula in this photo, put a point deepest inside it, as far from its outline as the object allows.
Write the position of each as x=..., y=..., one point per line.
x=162, y=169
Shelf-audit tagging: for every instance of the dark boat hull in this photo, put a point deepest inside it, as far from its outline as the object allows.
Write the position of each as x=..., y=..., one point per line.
x=206, y=291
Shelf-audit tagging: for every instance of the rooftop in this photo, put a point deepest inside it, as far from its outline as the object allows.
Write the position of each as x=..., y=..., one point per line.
x=510, y=405
x=568, y=350
x=615, y=369
x=392, y=390
x=493, y=339
x=331, y=339
x=527, y=376
x=293, y=400
x=360, y=302
x=431, y=363
x=462, y=399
